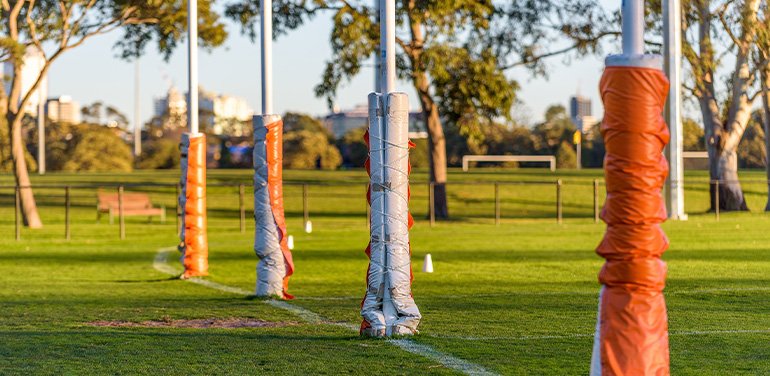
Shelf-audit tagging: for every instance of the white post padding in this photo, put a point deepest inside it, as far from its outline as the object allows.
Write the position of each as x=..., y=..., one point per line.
x=183, y=165
x=271, y=268
x=388, y=306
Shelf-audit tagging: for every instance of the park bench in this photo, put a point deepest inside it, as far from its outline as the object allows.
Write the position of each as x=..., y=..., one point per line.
x=134, y=204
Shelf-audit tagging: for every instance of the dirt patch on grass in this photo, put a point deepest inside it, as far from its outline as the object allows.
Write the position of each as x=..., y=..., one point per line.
x=231, y=323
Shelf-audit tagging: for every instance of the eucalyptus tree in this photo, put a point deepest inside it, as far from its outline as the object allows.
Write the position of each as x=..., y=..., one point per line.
x=56, y=27
x=455, y=53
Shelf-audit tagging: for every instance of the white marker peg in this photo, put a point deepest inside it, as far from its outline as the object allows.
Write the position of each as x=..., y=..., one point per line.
x=290, y=242
x=308, y=227
x=427, y=266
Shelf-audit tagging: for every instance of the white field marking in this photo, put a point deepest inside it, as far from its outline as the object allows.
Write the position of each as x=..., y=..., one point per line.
x=446, y=360
x=524, y=338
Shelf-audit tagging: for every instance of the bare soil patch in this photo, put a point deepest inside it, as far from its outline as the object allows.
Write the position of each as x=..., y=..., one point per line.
x=217, y=323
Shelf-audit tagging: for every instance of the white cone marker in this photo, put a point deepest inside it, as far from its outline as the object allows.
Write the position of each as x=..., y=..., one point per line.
x=309, y=227
x=427, y=266
x=290, y=242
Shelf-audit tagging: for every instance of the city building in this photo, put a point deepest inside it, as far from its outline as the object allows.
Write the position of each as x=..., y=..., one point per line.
x=63, y=110
x=342, y=122
x=224, y=113
x=34, y=60
x=580, y=113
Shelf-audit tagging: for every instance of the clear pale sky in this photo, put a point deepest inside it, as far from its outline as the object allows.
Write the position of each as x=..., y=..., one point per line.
x=92, y=73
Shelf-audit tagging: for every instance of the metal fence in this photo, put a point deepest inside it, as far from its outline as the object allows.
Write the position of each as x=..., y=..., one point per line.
x=557, y=185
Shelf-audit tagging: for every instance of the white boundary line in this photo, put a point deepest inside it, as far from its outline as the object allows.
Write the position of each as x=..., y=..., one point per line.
x=160, y=264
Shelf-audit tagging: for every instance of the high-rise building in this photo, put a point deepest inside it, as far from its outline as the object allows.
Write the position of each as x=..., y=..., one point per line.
x=34, y=60
x=580, y=113
x=224, y=113
x=63, y=110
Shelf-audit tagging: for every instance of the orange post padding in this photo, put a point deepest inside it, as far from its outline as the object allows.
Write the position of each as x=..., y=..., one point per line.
x=274, y=143
x=195, y=239
x=367, y=165
x=633, y=320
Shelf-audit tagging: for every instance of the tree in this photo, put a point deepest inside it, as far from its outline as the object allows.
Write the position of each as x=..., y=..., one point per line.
x=751, y=150
x=99, y=149
x=692, y=136
x=454, y=53
x=309, y=150
x=92, y=113
x=735, y=26
x=64, y=25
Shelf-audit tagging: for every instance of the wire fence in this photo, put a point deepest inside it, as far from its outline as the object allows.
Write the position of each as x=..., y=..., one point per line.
x=467, y=199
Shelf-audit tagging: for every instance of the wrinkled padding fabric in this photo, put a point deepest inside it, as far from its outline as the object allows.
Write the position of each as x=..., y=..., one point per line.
x=270, y=242
x=193, y=201
x=389, y=250
x=633, y=325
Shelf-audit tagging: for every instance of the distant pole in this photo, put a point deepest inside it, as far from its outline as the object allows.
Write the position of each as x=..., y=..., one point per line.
x=41, y=129
x=377, y=58
x=388, y=46
x=137, y=126
x=267, y=57
x=192, y=57
x=672, y=50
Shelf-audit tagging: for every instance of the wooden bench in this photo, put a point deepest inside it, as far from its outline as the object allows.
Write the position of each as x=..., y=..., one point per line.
x=134, y=205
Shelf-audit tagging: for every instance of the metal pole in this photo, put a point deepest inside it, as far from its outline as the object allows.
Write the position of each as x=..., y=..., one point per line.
x=243, y=208
x=377, y=57
x=305, y=211
x=672, y=51
x=388, y=46
x=18, y=213
x=178, y=212
x=431, y=204
x=67, y=213
x=267, y=57
x=716, y=197
x=192, y=59
x=137, y=126
x=497, y=204
x=596, y=200
x=633, y=27
x=120, y=213
x=558, y=201
x=41, y=129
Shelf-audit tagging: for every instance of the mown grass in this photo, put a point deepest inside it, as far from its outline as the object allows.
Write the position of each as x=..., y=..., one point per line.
x=496, y=293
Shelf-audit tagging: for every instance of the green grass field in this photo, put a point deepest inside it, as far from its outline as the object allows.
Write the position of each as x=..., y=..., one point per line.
x=517, y=299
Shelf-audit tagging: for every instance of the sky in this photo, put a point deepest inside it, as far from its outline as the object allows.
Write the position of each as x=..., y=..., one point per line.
x=93, y=72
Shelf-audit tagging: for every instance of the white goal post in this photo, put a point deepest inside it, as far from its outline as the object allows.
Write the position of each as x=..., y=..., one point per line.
x=509, y=158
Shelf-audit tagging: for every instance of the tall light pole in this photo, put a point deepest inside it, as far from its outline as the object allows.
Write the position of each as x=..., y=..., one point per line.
x=672, y=51
x=137, y=126
x=41, y=125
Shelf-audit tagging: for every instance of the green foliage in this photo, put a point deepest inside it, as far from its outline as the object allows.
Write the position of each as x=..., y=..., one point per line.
x=353, y=147
x=418, y=155
x=566, y=158
x=160, y=154
x=6, y=161
x=293, y=122
x=99, y=149
x=309, y=150
x=693, y=136
x=751, y=151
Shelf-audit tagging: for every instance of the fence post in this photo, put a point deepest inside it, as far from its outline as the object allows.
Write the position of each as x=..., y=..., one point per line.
x=431, y=203
x=178, y=212
x=596, y=200
x=497, y=204
x=558, y=201
x=305, y=210
x=67, y=213
x=242, y=208
x=120, y=213
x=18, y=213
x=716, y=196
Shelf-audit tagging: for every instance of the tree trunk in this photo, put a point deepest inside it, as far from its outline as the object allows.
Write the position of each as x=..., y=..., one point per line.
x=28, y=206
x=765, y=74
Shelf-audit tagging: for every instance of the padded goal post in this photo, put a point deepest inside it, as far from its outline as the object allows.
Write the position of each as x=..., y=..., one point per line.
x=192, y=200
x=275, y=264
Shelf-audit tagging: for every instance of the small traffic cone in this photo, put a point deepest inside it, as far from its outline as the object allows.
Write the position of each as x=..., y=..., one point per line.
x=290, y=242
x=308, y=227
x=427, y=266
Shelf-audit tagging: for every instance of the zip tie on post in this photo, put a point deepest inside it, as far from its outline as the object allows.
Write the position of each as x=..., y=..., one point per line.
x=270, y=237
x=388, y=307
x=192, y=200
